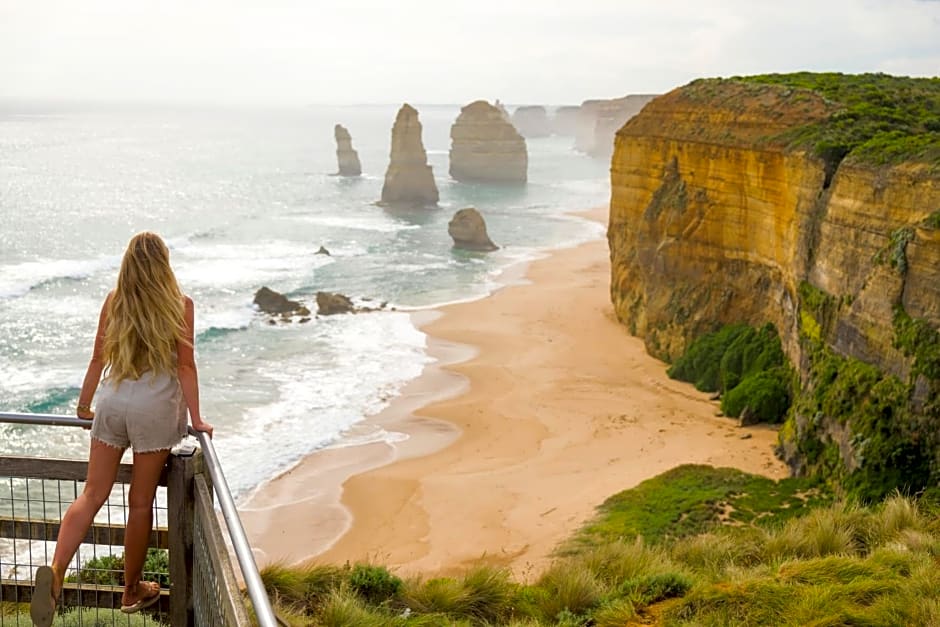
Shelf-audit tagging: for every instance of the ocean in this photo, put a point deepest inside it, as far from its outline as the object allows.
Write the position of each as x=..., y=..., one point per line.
x=244, y=198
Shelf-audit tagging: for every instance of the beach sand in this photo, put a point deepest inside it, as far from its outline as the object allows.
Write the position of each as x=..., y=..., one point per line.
x=542, y=405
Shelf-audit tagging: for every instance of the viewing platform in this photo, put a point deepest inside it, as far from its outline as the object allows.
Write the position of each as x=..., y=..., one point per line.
x=190, y=547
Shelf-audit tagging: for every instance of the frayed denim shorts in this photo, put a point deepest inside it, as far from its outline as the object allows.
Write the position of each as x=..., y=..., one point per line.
x=147, y=414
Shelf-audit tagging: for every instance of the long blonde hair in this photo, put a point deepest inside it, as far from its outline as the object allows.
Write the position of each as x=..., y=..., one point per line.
x=146, y=314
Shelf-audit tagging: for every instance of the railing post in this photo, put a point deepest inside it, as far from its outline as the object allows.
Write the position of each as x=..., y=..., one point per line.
x=182, y=466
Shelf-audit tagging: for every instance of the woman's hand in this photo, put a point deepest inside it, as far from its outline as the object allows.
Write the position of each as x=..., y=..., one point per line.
x=85, y=414
x=203, y=426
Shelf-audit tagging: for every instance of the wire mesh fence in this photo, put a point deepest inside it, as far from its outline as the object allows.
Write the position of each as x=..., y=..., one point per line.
x=34, y=495
x=189, y=554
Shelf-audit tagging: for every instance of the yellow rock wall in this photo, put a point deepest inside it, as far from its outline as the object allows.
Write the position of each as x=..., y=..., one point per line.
x=713, y=220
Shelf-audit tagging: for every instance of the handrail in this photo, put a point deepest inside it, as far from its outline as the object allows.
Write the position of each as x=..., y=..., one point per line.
x=246, y=561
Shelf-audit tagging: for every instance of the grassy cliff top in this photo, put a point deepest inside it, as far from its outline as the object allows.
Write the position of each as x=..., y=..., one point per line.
x=880, y=119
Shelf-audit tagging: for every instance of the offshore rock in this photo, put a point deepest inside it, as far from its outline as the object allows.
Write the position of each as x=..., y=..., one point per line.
x=276, y=304
x=347, y=158
x=329, y=303
x=409, y=179
x=565, y=120
x=532, y=121
x=468, y=230
x=601, y=119
x=485, y=147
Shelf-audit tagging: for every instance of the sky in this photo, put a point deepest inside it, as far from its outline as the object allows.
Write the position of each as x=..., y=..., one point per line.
x=440, y=51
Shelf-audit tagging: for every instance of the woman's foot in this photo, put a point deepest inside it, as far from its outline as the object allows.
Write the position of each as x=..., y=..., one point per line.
x=42, y=605
x=140, y=595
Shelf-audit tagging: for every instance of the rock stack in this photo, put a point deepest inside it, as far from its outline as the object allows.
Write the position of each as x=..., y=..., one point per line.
x=468, y=231
x=532, y=121
x=565, y=120
x=601, y=119
x=486, y=147
x=347, y=157
x=409, y=179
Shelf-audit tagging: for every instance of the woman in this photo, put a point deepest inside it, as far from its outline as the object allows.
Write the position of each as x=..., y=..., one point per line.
x=144, y=346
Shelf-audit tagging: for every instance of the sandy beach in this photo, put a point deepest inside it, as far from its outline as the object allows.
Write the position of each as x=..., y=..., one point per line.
x=541, y=406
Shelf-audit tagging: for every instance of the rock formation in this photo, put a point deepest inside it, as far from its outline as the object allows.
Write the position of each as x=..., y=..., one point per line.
x=276, y=304
x=468, y=230
x=565, y=120
x=322, y=251
x=485, y=147
x=347, y=157
x=532, y=121
x=601, y=119
x=409, y=179
x=329, y=303
x=716, y=219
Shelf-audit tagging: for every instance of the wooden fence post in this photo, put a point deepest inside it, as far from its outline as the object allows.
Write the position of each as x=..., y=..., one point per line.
x=182, y=465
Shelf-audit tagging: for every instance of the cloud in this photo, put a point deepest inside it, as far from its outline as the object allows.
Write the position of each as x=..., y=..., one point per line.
x=429, y=51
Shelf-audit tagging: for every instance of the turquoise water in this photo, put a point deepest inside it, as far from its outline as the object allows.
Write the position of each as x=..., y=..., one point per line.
x=245, y=198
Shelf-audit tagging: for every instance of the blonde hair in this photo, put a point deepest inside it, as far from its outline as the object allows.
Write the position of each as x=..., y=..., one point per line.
x=146, y=316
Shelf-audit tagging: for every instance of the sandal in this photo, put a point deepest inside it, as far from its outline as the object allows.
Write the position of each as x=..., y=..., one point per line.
x=42, y=605
x=144, y=601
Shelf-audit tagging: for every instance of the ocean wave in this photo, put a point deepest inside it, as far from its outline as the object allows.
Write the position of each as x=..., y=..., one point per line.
x=20, y=278
x=323, y=391
x=378, y=223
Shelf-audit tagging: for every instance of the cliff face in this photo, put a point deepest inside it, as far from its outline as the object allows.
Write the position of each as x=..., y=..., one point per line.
x=409, y=179
x=599, y=120
x=486, y=147
x=714, y=221
x=532, y=121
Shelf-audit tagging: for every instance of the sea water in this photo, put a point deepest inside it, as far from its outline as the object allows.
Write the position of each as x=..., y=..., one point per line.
x=244, y=199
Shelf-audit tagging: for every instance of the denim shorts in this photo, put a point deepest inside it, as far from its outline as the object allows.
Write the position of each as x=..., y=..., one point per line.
x=147, y=414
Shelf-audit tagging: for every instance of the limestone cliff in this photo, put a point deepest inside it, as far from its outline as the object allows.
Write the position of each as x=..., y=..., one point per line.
x=532, y=121
x=716, y=218
x=565, y=120
x=409, y=179
x=346, y=157
x=486, y=147
x=599, y=120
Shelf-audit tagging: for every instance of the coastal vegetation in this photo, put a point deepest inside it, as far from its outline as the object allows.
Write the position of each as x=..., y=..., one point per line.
x=745, y=365
x=722, y=547
x=882, y=119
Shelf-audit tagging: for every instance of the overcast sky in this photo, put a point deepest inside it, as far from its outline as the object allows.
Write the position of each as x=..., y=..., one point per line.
x=441, y=51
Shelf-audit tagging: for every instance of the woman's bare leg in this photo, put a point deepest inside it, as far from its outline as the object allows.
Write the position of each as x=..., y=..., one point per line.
x=144, y=479
x=103, y=463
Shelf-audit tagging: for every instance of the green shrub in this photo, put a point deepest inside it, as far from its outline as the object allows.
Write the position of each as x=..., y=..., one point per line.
x=766, y=395
x=738, y=354
x=569, y=587
x=108, y=570
x=374, y=583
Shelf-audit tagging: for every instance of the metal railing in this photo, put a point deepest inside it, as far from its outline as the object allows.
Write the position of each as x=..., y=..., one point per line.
x=34, y=493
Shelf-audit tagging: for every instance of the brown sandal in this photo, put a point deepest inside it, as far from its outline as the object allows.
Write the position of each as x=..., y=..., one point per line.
x=144, y=601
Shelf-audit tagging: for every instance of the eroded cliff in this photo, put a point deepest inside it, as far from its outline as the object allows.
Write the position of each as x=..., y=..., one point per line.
x=717, y=216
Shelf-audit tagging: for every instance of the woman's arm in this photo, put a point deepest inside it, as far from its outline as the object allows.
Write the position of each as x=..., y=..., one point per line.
x=95, y=366
x=186, y=370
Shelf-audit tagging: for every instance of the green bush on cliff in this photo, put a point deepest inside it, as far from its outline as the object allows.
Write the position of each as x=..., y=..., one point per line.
x=746, y=364
x=766, y=396
x=883, y=119
x=852, y=409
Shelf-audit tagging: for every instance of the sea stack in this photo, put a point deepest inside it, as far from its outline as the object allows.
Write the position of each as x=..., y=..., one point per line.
x=468, y=231
x=347, y=158
x=532, y=121
x=565, y=120
x=601, y=119
x=409, y=179
x=486, y=147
